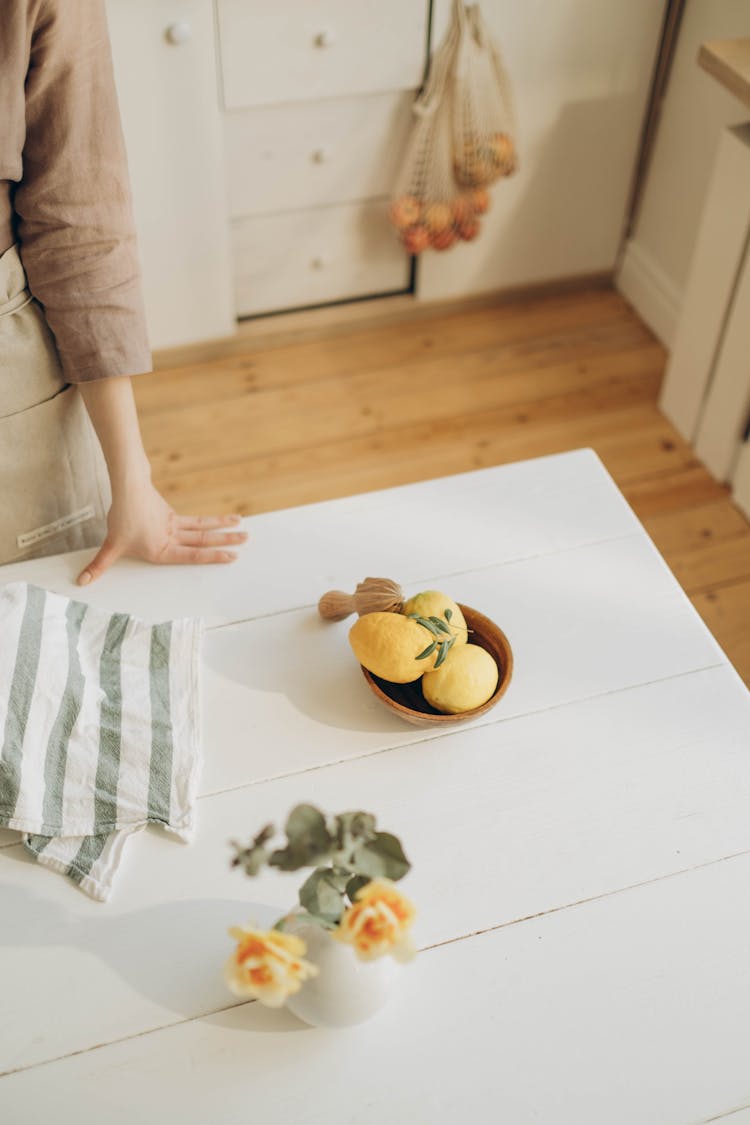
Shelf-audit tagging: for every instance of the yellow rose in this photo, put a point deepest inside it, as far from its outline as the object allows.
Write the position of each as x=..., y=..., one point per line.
x=377, y=922
x=267, y=965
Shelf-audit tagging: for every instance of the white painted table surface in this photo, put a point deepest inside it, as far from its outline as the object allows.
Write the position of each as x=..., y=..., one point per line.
x=581, y=854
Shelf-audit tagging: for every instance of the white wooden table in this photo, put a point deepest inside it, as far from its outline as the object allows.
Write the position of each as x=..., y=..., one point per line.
x=592, y=966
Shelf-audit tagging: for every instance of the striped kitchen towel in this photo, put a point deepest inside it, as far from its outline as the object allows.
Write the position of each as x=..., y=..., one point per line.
x=100, y=729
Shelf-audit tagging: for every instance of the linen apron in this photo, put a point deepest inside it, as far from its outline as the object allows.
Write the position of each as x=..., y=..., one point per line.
x=54, y=487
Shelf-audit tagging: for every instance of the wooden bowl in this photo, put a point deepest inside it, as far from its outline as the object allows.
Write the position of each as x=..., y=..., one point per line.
x=407, y=700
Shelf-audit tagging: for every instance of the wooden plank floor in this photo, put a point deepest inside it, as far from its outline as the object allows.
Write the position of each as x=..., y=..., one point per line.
x=386, y=404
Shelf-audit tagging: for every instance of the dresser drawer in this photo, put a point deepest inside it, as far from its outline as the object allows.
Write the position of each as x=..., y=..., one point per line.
x=312, y=153
x=320, y=254
x=297, y=50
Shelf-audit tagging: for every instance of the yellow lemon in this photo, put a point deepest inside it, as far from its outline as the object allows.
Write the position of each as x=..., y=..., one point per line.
x=466, y=679
x=431, y=603
x=388, y=644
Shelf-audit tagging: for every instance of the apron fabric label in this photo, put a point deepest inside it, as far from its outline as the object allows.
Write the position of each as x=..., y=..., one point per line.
x=29, y=538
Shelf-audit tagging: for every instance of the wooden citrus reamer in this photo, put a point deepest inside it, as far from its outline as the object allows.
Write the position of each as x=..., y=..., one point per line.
x=373, y=595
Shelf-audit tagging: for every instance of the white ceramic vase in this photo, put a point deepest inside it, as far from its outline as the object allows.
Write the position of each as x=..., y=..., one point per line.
x=346, y=990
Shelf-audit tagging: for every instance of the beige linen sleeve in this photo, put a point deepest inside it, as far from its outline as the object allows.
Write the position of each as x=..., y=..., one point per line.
x=73, y=205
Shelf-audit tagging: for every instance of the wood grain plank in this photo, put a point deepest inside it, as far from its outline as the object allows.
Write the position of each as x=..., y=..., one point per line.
x=713, y=565
x=309, y=416
x=700, y=526
x=626, y=438
x=296, y=358
x=383, y=313
x=672, y=490
x=726, y=611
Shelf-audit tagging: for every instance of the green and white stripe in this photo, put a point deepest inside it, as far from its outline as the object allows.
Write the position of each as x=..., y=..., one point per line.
x=99, y=726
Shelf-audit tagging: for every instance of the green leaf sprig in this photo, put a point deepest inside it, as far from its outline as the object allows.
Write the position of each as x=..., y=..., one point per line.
x=346, y=853
x=444, y=634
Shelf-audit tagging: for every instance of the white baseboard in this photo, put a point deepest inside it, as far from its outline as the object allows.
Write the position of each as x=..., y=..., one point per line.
x=651, y=293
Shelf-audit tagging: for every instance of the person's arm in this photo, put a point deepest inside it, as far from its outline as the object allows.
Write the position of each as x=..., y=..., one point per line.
x=73, y=206
x=78, y=246
x=140, y=523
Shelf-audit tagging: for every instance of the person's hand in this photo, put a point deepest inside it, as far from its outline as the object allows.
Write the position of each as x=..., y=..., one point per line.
x=141, y=525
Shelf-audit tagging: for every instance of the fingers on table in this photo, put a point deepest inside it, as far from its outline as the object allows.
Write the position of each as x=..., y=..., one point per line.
x=103, y=560
x=178, y=553
x=189, y=538
x=206, y=523
x=201, y=540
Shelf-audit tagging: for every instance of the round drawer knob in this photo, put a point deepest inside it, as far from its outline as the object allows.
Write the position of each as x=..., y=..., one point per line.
x=319, y=263
x=320, y=156
x=325, y=39
x=179, y=33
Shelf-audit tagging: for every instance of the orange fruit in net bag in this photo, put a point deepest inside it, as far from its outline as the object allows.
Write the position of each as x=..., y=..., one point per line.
x=443, y=239
x=476, y=170
x=469, y=230
x=405, y=212
x=464, y=208
x=416, y=239
x=502, y=153
x=438, y=217
x=480, y=200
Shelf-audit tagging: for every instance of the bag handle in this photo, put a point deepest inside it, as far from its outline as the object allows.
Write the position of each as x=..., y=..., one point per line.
x=440, y=65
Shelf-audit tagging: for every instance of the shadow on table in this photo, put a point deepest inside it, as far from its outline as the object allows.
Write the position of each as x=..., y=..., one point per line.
x=172, y=953
x=307, y=660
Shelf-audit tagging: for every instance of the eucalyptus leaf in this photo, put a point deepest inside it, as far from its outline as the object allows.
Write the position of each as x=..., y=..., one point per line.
x=351, y=827
x=382, y=857
x=253, y=857
x=309, y=841
x=251, y=860
x=355, y=884
x=323, y=894
x=305, y=821
x=264, y=836
x=338, y=877
x=286, y=860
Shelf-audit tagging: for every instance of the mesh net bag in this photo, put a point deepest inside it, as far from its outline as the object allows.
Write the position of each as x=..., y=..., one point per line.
x=462, y=141
x=428, y=208
x=484, y=131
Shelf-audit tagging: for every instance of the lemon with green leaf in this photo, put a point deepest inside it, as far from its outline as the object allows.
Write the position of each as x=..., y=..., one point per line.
x=430, y=604
x=392, y=646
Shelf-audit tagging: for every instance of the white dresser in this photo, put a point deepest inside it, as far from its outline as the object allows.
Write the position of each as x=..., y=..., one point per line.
x=263, y=141
x=316, y=110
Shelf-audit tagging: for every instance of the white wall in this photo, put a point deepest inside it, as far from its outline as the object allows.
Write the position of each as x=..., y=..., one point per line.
x=695, y=111
x=580, y=71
